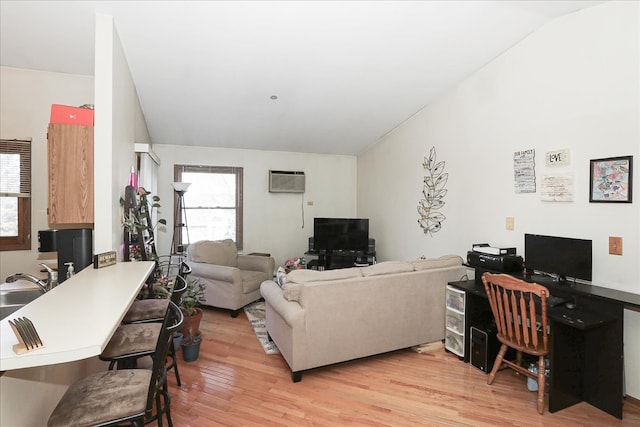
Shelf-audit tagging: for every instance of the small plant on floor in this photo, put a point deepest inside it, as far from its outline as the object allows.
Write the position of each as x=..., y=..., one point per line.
x=192, y=297
x=191, y=346
x=191, y=338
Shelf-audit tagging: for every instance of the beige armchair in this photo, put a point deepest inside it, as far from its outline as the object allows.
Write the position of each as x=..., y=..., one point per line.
x=231, y=280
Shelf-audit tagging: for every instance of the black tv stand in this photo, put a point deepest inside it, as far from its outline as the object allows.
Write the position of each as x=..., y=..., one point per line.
x=340, y=259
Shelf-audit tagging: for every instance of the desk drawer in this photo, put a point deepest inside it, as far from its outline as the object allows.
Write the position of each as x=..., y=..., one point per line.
x=454, y=342
x=455, y=321
x=455, y=299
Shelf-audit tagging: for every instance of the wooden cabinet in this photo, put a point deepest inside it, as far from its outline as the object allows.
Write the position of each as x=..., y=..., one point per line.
x=70, y=161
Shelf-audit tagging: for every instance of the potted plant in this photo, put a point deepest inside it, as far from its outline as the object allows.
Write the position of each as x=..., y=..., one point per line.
x=191, y=345
x=136, y=220
x=191, y=299
x=157, y=286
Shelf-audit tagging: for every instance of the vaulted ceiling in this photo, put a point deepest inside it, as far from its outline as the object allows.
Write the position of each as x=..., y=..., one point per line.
x=305, y=76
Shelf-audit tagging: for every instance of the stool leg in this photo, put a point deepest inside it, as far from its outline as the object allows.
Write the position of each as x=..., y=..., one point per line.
x=175, y=365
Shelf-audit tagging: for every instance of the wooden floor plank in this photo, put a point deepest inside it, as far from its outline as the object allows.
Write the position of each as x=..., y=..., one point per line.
x=234, y=383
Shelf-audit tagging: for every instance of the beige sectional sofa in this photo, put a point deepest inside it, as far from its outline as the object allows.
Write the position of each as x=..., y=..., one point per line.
x=317, y=318
x=231, y=280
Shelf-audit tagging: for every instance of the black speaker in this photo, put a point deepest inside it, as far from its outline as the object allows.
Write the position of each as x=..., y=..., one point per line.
x=311, y=247
x=372, y=246
x=484, y=347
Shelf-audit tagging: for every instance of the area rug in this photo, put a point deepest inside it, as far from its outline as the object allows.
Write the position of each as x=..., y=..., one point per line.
x=256, y=314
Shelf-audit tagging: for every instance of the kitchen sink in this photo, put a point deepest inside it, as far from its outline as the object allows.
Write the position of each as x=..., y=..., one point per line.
x=15, y=299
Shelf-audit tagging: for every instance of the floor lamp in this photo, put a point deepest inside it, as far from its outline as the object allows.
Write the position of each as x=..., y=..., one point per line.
x=179, y=220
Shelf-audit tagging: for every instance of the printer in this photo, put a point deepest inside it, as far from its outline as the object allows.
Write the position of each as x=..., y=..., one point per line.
x=501, y=260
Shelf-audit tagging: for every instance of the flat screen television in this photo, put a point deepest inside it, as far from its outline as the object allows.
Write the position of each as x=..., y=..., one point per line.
x=341, y=234
x=560, y=256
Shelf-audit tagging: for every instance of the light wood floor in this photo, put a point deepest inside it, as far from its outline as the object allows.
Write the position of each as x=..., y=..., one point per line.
x=234, y=383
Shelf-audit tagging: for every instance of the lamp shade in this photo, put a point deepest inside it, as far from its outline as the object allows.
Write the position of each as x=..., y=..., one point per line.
x=180, y=186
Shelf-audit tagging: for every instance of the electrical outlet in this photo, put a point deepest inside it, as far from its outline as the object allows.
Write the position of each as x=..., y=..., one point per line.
x=615, y=245
x=510, y=223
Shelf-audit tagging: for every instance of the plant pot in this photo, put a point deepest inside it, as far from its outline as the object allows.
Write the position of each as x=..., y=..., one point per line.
x=191, y=348
x=177, y=340
x=191, y=324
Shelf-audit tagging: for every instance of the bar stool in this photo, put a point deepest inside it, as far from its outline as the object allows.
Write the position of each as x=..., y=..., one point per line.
x=133, y=341
x=113, y=397
x=153, y=309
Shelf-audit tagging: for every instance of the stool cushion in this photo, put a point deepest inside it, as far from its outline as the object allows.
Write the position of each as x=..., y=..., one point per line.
x=132, y=339
x=146, y=309
x=103, y=397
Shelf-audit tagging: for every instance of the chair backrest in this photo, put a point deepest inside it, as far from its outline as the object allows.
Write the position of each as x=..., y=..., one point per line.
x=185, y=270
x=172, y=321
x=179, y=288
x=513, y=303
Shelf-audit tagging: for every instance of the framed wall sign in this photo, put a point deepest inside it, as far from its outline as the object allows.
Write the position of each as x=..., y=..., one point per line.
x=610, y=180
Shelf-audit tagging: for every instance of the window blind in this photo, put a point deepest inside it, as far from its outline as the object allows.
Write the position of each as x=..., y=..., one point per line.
x=15, y=175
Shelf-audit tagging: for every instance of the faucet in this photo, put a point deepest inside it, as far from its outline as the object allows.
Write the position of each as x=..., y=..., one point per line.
x=52, y=279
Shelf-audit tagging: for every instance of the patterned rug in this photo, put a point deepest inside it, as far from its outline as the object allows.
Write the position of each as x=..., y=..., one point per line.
x=256, y=316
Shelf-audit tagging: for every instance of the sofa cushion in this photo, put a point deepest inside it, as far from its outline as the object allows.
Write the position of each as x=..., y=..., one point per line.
x=443, y=261
x=292, y=291
x=387, y=267
x=223, y=252
x=308, y=276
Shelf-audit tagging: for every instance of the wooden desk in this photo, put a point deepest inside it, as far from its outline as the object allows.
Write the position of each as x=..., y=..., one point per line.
x=586, y=356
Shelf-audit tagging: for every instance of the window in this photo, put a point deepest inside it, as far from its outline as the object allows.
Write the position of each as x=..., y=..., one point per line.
x=15, y=195
x=212, y=204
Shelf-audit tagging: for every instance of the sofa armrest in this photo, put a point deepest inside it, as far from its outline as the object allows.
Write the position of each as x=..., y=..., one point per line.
x=265, y=264
x=215, y=272
x=290, y=311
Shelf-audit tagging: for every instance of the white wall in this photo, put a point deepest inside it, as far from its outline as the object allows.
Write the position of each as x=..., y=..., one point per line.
x=119, y=125
x=573, y=84
x=273, y=222
x=25, y=107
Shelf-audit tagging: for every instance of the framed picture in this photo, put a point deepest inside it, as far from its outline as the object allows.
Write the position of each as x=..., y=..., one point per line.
x=610, y=180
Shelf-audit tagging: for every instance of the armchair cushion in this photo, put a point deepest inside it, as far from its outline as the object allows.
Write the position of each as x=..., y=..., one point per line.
x=223, y=252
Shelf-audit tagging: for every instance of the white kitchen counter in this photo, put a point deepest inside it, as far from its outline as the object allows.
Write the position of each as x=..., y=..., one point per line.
x=76, y=319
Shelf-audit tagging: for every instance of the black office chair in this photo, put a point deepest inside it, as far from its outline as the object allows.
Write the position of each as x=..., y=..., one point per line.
x=123, y=396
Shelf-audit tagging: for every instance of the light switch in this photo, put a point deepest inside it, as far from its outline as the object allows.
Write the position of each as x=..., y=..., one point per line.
x=510, y=223
x=615, y=245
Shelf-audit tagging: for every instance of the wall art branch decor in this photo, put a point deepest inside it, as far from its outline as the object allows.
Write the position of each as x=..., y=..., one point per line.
x=610, y=180
x=433, y=191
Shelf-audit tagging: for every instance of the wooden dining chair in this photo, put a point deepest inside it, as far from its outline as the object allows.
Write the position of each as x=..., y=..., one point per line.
x=520, y=326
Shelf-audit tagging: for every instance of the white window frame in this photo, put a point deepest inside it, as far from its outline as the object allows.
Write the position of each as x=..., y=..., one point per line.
x=237, y=171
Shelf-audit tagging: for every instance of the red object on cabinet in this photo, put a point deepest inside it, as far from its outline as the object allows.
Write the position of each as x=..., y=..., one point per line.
x=64, y=114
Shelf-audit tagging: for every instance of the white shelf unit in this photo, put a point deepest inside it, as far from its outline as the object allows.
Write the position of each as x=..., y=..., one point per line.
x=454, y=321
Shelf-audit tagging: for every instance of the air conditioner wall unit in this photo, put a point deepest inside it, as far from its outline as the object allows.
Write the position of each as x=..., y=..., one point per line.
x=286, y=182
